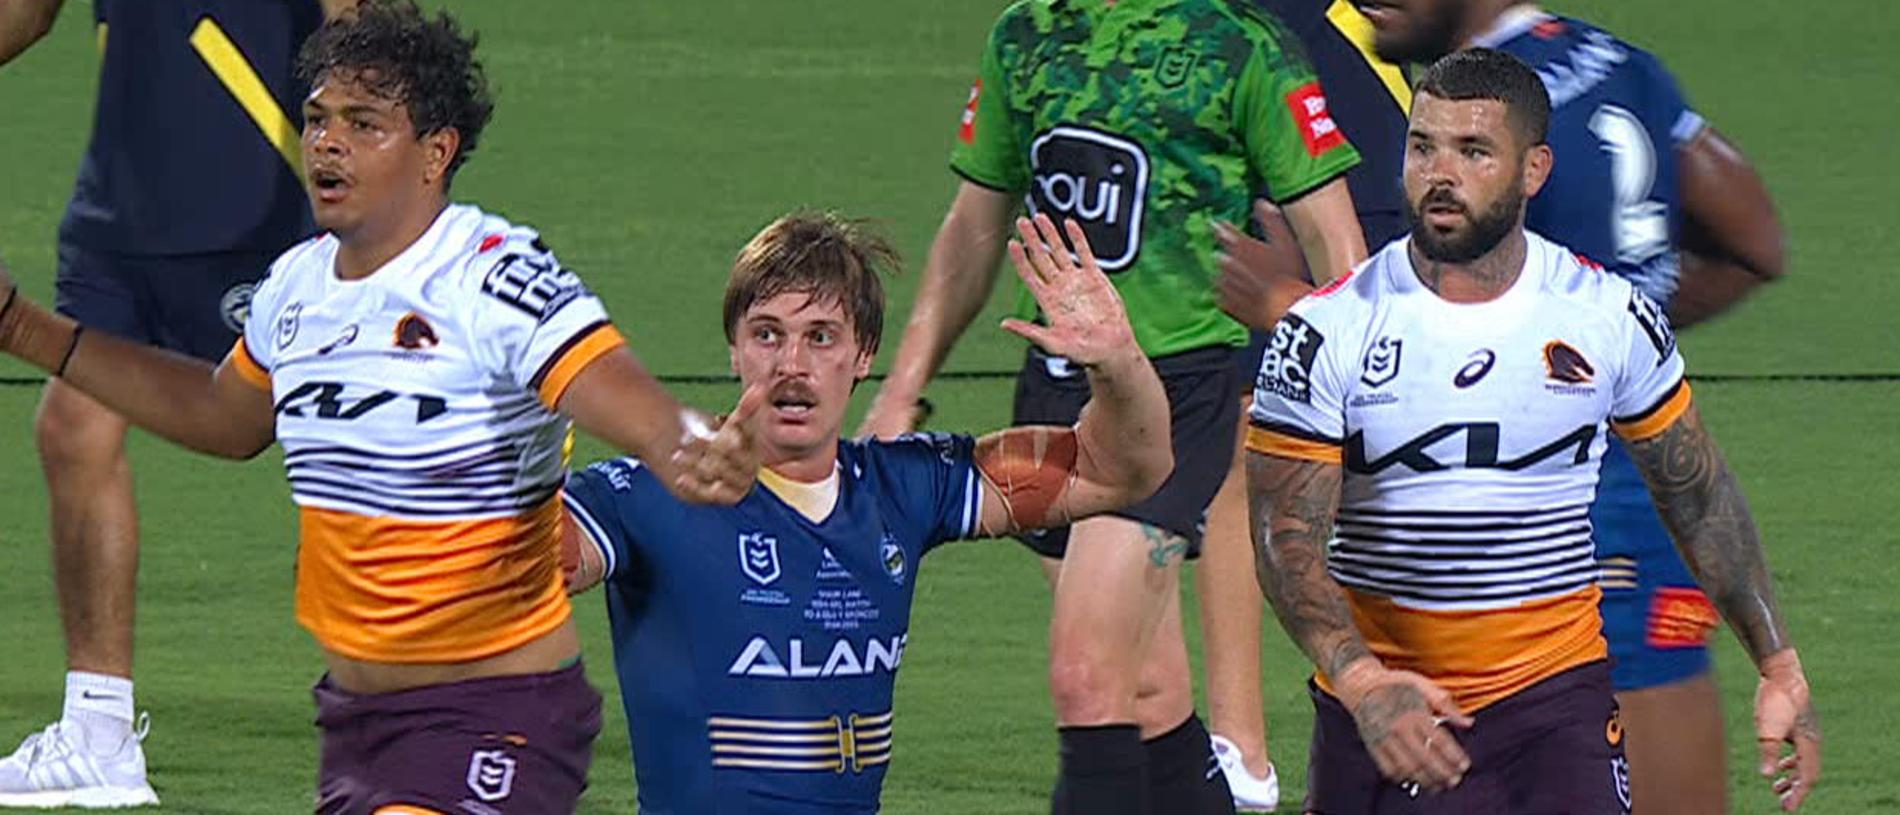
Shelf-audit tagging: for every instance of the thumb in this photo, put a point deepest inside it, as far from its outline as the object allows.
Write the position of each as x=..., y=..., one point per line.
x=1770, y=751
x=1040, y=335
x=1442, y=703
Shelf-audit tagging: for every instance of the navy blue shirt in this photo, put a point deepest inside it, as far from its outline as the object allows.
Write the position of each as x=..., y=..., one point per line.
x=757, y=650
x=1617, y=118
x=176, y=165
x=1371, y=109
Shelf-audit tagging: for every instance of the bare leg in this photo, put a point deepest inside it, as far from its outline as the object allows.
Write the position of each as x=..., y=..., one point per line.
x=94, y=526
x=1231, y=612
x=1113, y=591
x=1675, y=747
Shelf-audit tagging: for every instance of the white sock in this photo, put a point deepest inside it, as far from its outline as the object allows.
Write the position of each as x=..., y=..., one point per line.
x=101, y=706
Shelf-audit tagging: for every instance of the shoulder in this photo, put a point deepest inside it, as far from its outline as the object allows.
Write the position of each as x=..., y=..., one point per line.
x=1579, y=280
x=491, y=260
x=303, y=265
x=613, y=478
x=1347, y=299
x=908, y=451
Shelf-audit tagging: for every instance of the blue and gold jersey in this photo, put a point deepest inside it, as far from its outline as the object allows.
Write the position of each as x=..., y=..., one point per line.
x=758, y=649
x=195, y=136
x=1616, y=120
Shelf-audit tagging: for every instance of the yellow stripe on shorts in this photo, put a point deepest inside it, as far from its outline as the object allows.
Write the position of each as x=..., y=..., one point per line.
x=223, y=57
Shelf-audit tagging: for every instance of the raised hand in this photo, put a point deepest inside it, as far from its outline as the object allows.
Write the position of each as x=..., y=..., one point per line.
x=1260, y=279
x=717, y=462
x=1405, y=721
x=1784, y=716
x=1087, y=322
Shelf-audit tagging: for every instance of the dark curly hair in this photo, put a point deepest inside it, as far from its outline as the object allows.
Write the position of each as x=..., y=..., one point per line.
x=396, y=52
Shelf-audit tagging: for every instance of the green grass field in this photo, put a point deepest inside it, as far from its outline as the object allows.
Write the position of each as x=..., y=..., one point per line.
x=648, y=140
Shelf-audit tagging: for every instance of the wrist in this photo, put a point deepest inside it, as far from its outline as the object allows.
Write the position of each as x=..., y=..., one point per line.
x=1782, y=664
x=1353, y=681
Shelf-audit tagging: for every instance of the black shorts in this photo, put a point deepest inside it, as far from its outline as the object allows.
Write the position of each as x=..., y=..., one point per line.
x=1205, y=416
x=1554, y=747
x=192, y=304
x=511, y=744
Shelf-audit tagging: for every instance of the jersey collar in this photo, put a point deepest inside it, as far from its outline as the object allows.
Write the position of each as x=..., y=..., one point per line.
x=1514, y=21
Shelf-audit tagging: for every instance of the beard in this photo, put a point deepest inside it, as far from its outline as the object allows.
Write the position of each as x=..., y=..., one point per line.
x=1435, y=36
x=1485, y=231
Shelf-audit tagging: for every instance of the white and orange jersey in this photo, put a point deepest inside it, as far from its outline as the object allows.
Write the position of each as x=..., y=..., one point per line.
x=1470, y=435
x=415, y=409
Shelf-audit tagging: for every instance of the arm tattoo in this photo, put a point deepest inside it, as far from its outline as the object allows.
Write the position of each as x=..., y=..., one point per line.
x=1292, y=505
x=1702, y=505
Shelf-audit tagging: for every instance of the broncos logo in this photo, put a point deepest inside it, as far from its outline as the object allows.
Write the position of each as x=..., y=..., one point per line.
x=1566, y=364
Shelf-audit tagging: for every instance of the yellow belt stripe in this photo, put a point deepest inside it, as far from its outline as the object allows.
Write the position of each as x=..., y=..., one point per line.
x=734, y=735
x=223, y=57
x=775, y=764
x=772, y=724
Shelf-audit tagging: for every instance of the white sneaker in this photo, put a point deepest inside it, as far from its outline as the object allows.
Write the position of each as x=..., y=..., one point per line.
x=56, y=768
x=1251, y=794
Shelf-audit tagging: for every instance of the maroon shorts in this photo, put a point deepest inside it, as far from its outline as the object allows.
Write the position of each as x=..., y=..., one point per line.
x=1554, y=747
x=514, y=745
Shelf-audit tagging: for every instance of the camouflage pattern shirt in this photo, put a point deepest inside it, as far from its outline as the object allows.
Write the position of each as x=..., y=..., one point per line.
x=1147, y=121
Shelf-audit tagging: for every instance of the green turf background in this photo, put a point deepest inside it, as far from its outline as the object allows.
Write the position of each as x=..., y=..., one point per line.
x=648, y=139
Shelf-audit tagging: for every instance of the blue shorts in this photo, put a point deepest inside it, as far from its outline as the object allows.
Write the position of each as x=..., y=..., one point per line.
x=192, y=304
x=1656, y=619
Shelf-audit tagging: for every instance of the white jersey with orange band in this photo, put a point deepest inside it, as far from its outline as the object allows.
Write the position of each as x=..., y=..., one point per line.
x=415, y=409
x=1470, y=435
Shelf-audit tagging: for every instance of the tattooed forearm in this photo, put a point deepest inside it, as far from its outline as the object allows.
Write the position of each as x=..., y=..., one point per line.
x=1292, y=505
x=1702, y=505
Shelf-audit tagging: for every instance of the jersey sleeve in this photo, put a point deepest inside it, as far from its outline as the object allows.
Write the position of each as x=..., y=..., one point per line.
x=1290, y=136
x=1650, y=390
x=255, y=353
x=593, y=498
x=1668, y=107
x=987, y=152
x=536, y=324
x=935, y=473
x=1299, y=395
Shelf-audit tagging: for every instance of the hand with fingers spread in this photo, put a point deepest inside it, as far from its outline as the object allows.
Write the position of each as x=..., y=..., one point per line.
x=717, y=462
x=1406, y=722
x=1260, y=279
x=1086, y=320
x=1784, y=716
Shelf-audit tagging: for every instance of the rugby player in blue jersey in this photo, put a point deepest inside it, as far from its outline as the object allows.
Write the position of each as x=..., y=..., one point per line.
x=758, y=644
x=1645, y=187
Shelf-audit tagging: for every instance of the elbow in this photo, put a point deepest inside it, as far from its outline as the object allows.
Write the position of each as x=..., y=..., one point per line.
x=1148, y=472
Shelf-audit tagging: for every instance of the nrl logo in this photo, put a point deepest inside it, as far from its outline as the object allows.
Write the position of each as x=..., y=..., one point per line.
x=1175, y=64
x=758, y=557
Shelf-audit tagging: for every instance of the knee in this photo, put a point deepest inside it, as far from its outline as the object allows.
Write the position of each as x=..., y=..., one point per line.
x=74, y=432
x=1085, y=690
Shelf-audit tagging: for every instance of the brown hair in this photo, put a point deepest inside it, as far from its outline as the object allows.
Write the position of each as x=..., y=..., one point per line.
x=830, y=258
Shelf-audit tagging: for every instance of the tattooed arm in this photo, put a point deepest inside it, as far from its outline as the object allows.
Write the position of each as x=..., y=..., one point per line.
x=1702, y=505
x=1398, y=713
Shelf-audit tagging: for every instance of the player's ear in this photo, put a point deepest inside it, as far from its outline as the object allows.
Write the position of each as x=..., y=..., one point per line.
x=732, y=358
x=440, y=145
x=1538, y=162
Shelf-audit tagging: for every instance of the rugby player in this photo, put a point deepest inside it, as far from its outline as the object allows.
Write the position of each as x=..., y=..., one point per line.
x=187, y=190
x=420, y=362
x=1367, y=98
x=1426, y=444
x=1647, y=188
x=1148, y=122
x=758, y=644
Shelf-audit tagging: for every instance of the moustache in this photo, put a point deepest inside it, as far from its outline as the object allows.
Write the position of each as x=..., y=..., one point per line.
x=1441, y=196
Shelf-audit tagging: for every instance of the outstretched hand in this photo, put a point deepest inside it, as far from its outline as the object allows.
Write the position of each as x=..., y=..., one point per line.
x=717, y=462
x=1086, y=320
